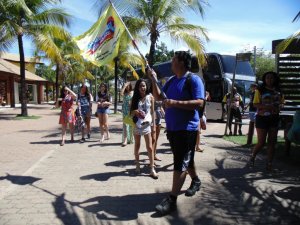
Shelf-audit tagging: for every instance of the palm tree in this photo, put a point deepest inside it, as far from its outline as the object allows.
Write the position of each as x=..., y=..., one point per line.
x=284, y=44
x=32, y=19
x=152, y=18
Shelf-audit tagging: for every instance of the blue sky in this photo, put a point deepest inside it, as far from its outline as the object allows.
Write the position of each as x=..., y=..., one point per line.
x=233, y=25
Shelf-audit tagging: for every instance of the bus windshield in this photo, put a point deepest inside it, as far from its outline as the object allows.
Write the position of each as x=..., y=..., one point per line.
x=243, y=88
x=243, y=68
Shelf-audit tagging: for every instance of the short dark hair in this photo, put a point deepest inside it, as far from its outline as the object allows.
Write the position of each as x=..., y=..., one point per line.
x=195, y=67
x=185, y=57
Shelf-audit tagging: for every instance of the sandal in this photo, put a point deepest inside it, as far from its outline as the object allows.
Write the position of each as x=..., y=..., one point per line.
x=153, y=174
x=156, y=158
x=199, y=149
x=62, y=143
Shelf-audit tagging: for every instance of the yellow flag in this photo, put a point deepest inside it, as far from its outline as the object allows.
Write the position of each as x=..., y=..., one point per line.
x=100, y=44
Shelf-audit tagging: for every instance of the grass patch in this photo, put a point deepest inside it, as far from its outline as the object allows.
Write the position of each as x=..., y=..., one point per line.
x=280, y=153
x=19, y=117
x=242, y=140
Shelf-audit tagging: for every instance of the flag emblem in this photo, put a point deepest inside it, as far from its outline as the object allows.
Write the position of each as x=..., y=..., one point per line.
x=100, y=44
x=106, y=36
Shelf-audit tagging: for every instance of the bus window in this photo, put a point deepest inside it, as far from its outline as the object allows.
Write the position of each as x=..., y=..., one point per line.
x=243, y=88
x=213, y=70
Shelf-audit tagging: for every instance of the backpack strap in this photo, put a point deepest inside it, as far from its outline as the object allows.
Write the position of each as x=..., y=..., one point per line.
x=168, y=83
x=188, y=85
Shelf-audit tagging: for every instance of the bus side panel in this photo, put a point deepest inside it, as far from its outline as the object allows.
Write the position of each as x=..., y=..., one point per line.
x=214, y=110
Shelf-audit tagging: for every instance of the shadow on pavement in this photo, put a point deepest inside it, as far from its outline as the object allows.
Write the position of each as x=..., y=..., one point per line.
x=20, y=180
x=66, y=213
x=116, y=208
x=256, y=196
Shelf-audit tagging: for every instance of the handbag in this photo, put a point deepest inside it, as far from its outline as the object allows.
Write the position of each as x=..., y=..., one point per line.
x=203, y=122
x=128, y=120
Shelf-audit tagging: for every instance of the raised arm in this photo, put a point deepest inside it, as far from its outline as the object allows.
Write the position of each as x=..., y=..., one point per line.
x=155, y=89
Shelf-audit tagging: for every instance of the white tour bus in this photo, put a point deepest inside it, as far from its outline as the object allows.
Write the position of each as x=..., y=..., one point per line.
x=218, y=80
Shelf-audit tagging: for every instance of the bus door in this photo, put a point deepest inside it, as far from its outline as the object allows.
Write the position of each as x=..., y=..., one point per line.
x=213, y=108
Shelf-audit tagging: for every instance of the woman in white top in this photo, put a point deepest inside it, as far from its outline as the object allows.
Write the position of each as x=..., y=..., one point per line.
x=142, y=110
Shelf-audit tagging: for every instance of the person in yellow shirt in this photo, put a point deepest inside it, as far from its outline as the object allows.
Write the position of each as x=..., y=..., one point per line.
x=268, y=100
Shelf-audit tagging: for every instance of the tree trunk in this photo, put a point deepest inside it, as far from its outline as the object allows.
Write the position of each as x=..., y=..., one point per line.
x=56, y=83
x=22, y=73
x=153, y=39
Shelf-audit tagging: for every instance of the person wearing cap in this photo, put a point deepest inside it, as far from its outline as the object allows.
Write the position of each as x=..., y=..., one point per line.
x=180, y=106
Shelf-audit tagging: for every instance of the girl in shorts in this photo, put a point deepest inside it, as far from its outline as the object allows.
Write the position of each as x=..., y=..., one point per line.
x=103, y=103
x=142, y=109
x=84, y=102
x=67, y=114
x=268, y=100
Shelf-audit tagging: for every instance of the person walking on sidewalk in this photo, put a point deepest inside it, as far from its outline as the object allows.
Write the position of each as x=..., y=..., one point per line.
x=142, y=108
x=268, y=100
x=84, y=102
x=103, y=103
x=127, y=134
x=67, y=114
x=181, y=105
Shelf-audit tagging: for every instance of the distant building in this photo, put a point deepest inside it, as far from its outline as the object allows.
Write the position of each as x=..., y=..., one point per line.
x=10, y=80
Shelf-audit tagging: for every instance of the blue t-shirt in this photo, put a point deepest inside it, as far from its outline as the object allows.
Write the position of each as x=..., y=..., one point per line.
x=182, y=119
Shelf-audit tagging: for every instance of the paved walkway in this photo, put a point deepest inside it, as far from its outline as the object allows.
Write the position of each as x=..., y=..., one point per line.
x=91, y=183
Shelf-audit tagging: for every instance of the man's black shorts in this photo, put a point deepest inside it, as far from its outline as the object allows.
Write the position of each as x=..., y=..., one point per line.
x=183, y=147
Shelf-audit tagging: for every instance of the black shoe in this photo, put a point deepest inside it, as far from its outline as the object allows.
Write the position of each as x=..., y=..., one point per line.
x=240, y=132
x=166, y=206
x=82, y=140
x=195, y=186
x=88, y=136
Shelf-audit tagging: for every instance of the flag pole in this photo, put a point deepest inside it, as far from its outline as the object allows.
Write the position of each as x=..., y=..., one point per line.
x=136, y=47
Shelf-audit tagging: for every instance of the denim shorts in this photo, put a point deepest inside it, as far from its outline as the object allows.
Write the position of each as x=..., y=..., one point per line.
x=252, y=116
x=143, y=130
x=183, y=147
x=103, y=110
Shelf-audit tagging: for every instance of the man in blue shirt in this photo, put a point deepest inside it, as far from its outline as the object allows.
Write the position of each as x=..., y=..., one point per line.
x=182, y=121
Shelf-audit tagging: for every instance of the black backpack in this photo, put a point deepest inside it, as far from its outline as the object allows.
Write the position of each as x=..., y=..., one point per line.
x=187, y=84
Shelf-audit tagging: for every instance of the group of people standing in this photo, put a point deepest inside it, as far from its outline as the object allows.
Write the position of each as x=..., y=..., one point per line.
x=82, y=114
x=146, y=104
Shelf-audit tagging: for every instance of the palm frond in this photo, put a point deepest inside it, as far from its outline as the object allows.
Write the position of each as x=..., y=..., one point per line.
x=296, y=17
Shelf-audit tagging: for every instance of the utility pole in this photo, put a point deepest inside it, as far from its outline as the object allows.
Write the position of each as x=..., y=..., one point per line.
x=240, y=57
x=254, y=63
